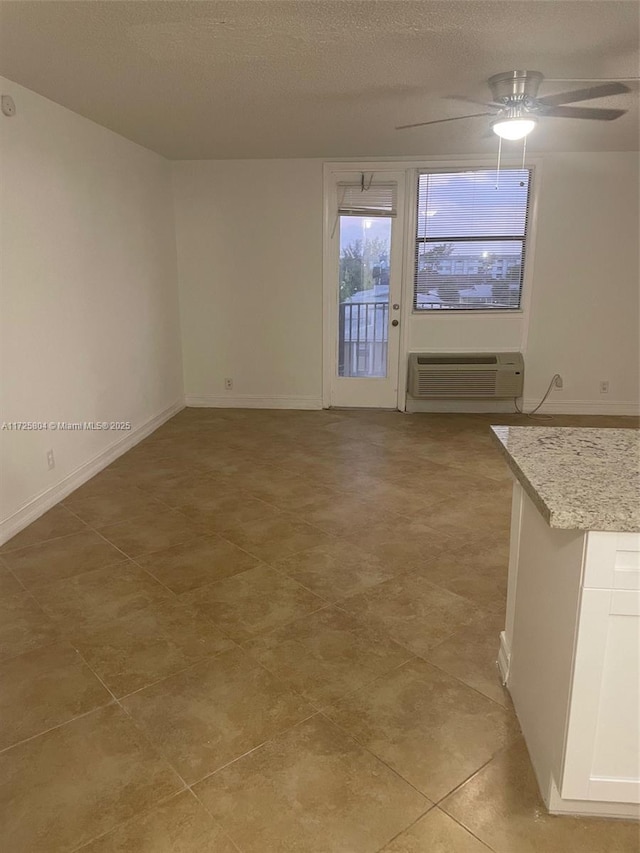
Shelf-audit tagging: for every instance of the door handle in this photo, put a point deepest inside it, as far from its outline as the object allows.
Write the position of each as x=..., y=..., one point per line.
x=395, y=322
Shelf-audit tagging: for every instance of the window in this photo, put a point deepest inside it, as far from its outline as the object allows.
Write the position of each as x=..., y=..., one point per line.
x=470, y=239
x=365, y=212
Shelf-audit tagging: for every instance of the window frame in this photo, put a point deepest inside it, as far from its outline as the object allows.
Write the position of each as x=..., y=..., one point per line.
x=526, y=240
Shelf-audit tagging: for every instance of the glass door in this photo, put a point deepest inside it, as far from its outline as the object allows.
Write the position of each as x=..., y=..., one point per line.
x=368, y=243
x=363, y=298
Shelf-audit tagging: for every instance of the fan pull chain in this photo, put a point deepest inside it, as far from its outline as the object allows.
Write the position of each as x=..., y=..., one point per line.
x=498, y=164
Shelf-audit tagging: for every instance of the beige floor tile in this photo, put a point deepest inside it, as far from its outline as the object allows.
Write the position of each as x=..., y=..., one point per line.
x=401, y=499
x=197, y=563
x=327, y=654
x=108, y=480
x=473, y=553
x=471, y=655
x=181, y=825
x=336, y=569
x=438, y=481
x=253, y=602
x=233, y=461
x=164, y=481
x=23, y=623
x=343, y=514
x=219, y=507
x=414, y=612
x=45, y=688
x=312, y=789
x=347, y=476
x=286, y=491
x=275, y=536
x=8, y=583
x=475, y=511
x=151, y=533
x=230, y=511
x=419, y=568
x=372, y=461
x=151, y=454
x=135, y=650
x=63, y=788
x=436, y=833
x=501, y=805
x=110, y=507
x=164, y=485
x=53, y=524
x=62, y=558
x=214, y=712
x=489, y=592
x=479, y=574
x=472, y=457
x=402, y=543
x=433, y=730
x=94, y=598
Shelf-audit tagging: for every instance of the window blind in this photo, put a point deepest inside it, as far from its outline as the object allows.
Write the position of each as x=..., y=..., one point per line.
x=471, y=239
x=371, y=200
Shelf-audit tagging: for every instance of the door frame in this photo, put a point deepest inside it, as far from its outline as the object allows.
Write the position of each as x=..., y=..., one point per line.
x=332, y=174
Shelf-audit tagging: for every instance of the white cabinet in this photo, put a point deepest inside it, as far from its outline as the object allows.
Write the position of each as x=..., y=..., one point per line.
x=570, y=654
x=602, y=760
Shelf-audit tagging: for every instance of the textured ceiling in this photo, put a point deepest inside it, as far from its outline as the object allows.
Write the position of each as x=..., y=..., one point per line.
x=300, y=78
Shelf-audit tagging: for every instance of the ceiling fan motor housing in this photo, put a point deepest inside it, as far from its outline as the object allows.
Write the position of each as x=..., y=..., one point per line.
x=515, y=87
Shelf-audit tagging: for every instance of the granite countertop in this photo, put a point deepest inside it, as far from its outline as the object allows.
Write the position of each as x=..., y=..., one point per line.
x=580, y=479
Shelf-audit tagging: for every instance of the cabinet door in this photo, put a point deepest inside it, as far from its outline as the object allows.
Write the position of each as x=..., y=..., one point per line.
x=602, y=756
x=612, y=561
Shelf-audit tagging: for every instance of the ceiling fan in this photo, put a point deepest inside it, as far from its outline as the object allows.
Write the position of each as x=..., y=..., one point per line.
x=516, y=106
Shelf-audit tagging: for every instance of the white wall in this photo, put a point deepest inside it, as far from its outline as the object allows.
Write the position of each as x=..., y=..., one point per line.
x=250, y=269
x=585, y=311
x=89, y=313
x=249, y=237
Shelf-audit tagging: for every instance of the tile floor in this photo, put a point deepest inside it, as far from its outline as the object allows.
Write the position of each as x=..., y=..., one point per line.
x=267, y=631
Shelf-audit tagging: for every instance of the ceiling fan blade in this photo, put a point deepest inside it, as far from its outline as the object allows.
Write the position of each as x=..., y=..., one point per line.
x=465, y=100
x=603, y=91
x=590, y=79
x=583, y=112
x=441, y=120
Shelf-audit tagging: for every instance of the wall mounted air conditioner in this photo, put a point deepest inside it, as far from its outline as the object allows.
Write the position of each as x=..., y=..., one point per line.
x=469, y=374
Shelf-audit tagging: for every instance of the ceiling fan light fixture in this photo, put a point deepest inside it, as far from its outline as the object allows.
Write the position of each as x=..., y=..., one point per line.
x=514, y=128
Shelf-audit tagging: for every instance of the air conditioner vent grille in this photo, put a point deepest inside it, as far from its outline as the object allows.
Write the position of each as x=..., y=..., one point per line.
x=459, y=375
x=457, y=359
x=462, y=383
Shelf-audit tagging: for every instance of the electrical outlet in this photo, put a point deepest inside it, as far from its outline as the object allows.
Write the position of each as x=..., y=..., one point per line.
x=559, y=383
x=604, y=386
x=228, y=384
x=51, y=462
x=8, y=105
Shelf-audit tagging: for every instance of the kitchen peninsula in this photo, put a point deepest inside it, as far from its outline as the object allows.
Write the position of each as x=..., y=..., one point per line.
x=570, y=651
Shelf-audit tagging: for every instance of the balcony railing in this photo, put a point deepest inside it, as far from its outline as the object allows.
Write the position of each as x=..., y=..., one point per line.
x=362, y=338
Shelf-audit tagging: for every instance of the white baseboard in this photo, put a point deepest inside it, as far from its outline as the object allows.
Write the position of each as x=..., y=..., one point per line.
x=504, y=658
x=591, y=808
x=37, y=506
x=468, y=407
x=551, y=407
x=251, y=402
x=584, y=407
